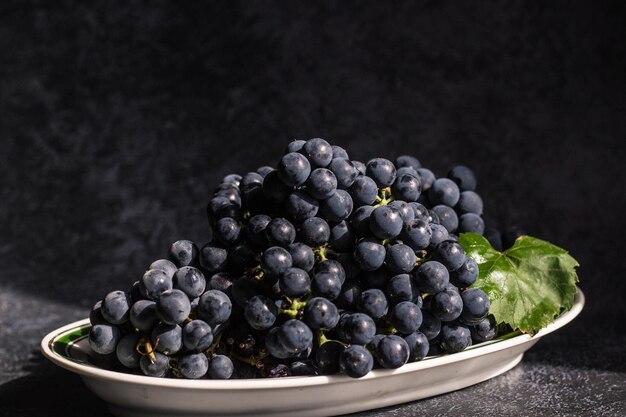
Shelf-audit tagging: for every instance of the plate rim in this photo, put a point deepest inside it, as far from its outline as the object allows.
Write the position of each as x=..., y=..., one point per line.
x=295, y=381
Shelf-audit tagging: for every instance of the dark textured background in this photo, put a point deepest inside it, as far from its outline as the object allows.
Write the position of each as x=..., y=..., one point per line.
x=117, y=120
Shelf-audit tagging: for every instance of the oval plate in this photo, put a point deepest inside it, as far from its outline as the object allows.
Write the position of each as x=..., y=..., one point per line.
x=131, y=395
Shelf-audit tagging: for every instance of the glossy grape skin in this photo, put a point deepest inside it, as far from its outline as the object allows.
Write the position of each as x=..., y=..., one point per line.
x=406, y=317
x=326, y=284
x=337, y=207
x=274, y=188
x=369, y=254
x=95, y=314
x=358, y=328
x=471, y=223
x=193, y=365
x=228, y=230
x=432, y=277
x=417, y=234
x=447, y=305
x=173, y=306
x=295, y=336
x=293, y=169
x=339, y=152
x=345, y=172
x=260, y=312
x=385, y=222
x=427, y=178
x=190, y=280
x=475, y=306
x=314, y=232
x=363, y=191
x=126, y=351
x=484, y=330
x=217, y=208
x=164, y=265
x=167, y=338
x=214, y=307
x=213, y=257
x=197, y=335
x=327, y=357
x=220, y=367
x=332, y=266
x=158, y=368
x=382, y=171
x=392, y=352
x=360, y=166
x=264, y=170
x=274, y=345
x=444, y=191
x=302, y=256
x=420, y=212
x=407, y=188
x=447, y=217
x=360, y=220
x=233, y=179
x=400, y=171
x=418, y=346
x=463, y=177
x=280, y=232
x=301, y=206
x=466, y=275
x=455, y=337
x=229, y=191
x=320, y=313
x=103, y=338
x=295, y=146
x=250, y=180
x=276, y=260
x=295, y=282
x=450, y=254
x=143, y=315
x=115, y=307
x=405, y=210
x=431, y=325
x=400, y=288
x=373, y=303
x=350, y=292
x=438, y=235
x=318, y=152
x=342, y=237
x=321, y=184
x=400, y=258
x=470, y=202
x=356, y=361
x=183, y=253
x=408, y=161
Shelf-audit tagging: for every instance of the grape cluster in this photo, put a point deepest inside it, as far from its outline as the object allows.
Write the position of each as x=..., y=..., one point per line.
x=318, y=266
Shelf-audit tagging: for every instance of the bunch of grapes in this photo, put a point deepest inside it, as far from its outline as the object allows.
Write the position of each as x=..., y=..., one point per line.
x=319, y=266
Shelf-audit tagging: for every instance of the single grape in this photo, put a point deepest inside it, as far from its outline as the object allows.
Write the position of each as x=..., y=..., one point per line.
x=408, y=161
x=251, y=180
x=228, y=230
x=466, y=275
x=337, y=207
x=345, y=172
x=293, y=169
x=463, y=177
x=447, y=217
x=116, y=307
x=173, y=306
x=197, y=335
x=405, y=210
x=167, y=338
x=302, y=256
x=321, y=184
x=400, y=258
x=126, y=351
x=363, y=191
x=447, y=305
x=472, y=223
x=406, y=317
x=484, y=330
x=417, y=234
x=320, y=313
x=193, y=365
x=190, y=280
x=221, y=367
x=232, y=179
x=215, y=307
x=470, y=202
x=339, y=152
x=392, y=352
x=327, y=357
x=358, y=328
x=431, y=325
x=350, y=292
x=400, y=288
x=217, y=208
x=360, y=166
x=158, y=368
x=342, y=237
x=450, y=254
x=326, y=284
x=213, y=257
x=356, y=361
x=400, y=171
x=295, y=145
x=369, y=254
x=432, y=277
x=295, y=336
x=183, y=253
x=331, y=266
x=427, y=178
x=455, y=337
x=318, y=152
x=407, y=188
x=164, y=265
x=274, y=345
x=295, y=282
x=438, y=235
x=280, y=232
x=385, y=222
x=276, y=260
x=301, y=206
x=221, y=281
x=143, y=315
x=475, y=305
x=103, y=338
x=264, y=170
x=260, y=312
x=314, y=232
x=444, y=191
x=95, y=314
x=373, y=303
x=382, y=171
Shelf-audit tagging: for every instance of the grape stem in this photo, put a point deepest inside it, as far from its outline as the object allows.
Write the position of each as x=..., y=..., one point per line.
x=145, y=348
x=384, y=197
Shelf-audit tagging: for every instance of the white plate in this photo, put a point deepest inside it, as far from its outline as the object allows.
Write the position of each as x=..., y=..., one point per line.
x=135, y=395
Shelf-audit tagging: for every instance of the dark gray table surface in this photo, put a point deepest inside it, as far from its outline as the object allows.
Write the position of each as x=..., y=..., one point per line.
x=118, y=119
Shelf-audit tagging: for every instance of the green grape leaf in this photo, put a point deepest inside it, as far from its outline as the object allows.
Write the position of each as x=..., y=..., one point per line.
x=528, y=285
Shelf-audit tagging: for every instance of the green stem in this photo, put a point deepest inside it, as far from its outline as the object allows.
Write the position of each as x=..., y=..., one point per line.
x=321, y=338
